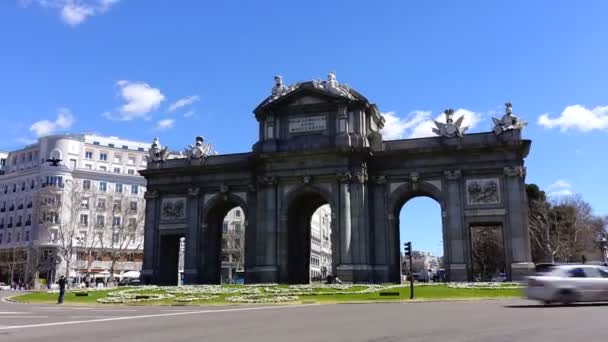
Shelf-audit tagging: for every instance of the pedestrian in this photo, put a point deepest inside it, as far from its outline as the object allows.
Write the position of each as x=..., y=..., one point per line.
x=61, y=289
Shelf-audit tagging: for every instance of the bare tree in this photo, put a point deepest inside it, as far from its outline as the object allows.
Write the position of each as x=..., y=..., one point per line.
x=487, y=251
x=14, y=259
x=59, y=206
x=126, y=233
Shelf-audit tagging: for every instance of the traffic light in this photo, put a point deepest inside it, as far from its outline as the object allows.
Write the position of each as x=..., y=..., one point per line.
x=408, y=248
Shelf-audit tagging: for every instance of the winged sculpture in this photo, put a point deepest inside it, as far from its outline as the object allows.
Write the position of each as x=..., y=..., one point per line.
x=450, y=128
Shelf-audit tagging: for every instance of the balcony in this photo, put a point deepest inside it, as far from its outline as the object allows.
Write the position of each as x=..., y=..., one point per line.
x=10, y=225
x=29, y=205
x=11, y=208
x=20, y=207
x=1, y=226
x=28, y=223
x=18, y=224
x=2, y=210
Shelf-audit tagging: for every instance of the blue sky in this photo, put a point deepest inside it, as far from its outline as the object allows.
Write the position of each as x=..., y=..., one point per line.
x=119, y=67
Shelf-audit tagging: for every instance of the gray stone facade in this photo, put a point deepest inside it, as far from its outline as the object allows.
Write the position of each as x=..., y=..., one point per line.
x=322, y=146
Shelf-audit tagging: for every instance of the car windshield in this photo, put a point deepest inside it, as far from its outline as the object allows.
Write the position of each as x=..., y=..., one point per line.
x=603, y=272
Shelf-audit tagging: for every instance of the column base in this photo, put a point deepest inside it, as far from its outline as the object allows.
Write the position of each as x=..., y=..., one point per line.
x=521, y=270
x=262, y=275
x=458, y=272
x=190, y=276
x=355, y=273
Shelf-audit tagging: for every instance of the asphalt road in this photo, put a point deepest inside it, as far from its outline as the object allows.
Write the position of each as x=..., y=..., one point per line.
x=514, y=320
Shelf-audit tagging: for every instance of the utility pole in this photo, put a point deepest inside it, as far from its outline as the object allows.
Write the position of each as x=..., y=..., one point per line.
x=408, y=253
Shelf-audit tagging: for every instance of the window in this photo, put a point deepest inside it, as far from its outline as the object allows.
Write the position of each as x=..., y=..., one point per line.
x=95, y=142
x=84, y=203
x=27, y=235
x=101, y=203
x=18, y=237
x=117, y=158
x=116, y=170
x=125, y=147
x=603, y=273
x=237, y=227
x=577, y=273
x=140, y=149
x=116, y=221
x=103, y=186
x=73, y=163
x=110, y=145
x=0, y=238
x=88, y=166
x=117, y=205
x=225, y=228
x=115, y=237
x=84, y=220
x=118, y=188
x=133, y=206
x=101, y=221
x=86, y=184
x=134, y=189
x=88, y=155
x=103, y=156
x=8, y=237
x=131, y=172
x=131, y=160
x=103, y=168
x=32, y=184
x=132, y=223
x=237, y=213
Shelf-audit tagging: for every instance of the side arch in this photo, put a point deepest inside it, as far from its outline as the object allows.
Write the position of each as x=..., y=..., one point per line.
x=212, y=217
x=396, y=200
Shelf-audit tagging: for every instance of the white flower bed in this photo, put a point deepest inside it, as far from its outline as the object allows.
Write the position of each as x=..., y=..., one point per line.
x=262, y=299
x=485, y=286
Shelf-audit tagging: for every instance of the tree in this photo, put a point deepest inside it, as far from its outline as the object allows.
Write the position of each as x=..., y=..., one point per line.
x=59, y=205
x=126, y=234
x=14, y=260
x=487, y=251
x=544, y=236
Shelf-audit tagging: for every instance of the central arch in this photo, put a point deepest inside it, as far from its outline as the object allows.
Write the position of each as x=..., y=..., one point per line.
x=302, y=204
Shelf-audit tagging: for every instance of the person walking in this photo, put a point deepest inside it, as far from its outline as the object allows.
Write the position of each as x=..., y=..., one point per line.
x=61, y=289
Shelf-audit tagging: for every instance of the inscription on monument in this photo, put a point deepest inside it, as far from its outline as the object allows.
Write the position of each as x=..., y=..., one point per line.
x=307, y=124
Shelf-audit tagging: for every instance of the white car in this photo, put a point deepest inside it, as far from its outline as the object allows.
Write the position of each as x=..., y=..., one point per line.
x=568, y=284
x=4, y=287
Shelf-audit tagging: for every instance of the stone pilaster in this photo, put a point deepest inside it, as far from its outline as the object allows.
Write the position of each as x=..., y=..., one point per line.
x=191, y=265
x=454, y=224
x=151, y=238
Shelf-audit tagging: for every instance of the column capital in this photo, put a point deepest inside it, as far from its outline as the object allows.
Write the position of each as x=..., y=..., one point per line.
x=267, y=180
x=514, y=171
x=344, y=177
x=452, y=174
x=193, y=192
x=380, y=180
x=151, y=194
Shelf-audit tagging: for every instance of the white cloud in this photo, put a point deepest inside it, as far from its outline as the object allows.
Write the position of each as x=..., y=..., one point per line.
x=578, y=117
x=74, y=12
x=140, y=99
x=189, y=114
x=186, y=101
x=420, y=124
x=165, y=124
x=560, y=188
x=64, y=121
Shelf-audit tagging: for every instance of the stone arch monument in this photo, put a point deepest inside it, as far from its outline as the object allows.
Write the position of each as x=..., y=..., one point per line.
x=320, y=143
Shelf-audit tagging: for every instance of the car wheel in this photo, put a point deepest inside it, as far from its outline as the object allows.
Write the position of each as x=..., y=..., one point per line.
x=547, y=302
x=567, y=297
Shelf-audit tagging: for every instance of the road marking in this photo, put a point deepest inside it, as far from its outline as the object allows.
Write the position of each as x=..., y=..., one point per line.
x=24, y=316
x=12, y=312
x=124, y=318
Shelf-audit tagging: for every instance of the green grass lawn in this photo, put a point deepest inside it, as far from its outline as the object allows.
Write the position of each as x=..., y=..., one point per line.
x=433, y=292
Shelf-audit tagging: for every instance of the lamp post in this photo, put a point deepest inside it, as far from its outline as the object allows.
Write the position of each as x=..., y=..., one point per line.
x=604, y=244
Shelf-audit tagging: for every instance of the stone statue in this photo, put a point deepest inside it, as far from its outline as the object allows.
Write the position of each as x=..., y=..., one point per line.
x=450, y=129
x=199, y=150
x=333, y=86
x=279, y=89
x=157, y=153
x=508, y=121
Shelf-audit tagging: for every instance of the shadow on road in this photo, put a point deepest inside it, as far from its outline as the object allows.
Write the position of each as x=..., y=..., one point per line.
x=531, y=306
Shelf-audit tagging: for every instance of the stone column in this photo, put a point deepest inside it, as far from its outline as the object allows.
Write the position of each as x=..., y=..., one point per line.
x=519, y=255
x=456, y=261
x=267, y=256
x=192, y=238
x=382, y=224
x=149, y=276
